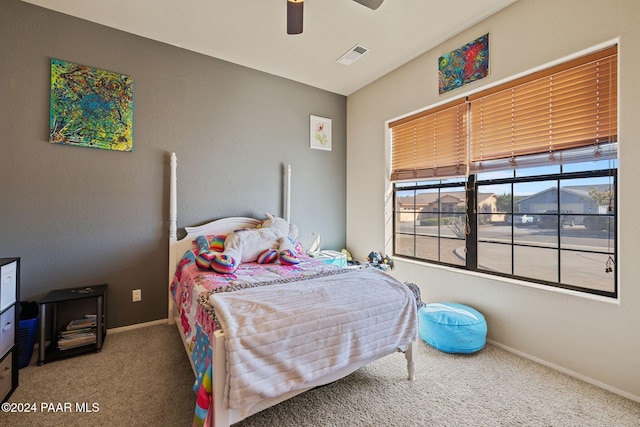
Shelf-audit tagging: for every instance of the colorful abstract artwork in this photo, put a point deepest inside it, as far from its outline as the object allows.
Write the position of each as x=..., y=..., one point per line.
x=464, y=65
x=90, y=107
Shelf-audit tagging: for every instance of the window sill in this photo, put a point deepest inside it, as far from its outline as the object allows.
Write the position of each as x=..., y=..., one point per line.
x=615, y=301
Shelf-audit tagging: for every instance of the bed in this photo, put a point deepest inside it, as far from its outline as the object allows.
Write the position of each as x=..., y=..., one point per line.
x=268, y=332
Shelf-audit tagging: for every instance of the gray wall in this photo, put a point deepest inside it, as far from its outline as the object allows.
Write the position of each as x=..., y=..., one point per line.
x=80, y=216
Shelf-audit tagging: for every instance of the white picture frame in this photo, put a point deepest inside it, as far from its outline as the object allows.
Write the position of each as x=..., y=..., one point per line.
x=319, y=133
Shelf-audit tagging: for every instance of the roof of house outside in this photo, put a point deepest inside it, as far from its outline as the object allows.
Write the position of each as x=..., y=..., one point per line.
x=580, y=190
x=425, y=199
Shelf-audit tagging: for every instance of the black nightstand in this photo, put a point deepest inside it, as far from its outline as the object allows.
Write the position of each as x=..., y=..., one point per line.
x=69, y=296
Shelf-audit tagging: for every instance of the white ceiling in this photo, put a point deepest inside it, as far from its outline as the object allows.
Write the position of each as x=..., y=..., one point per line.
x=253, y=32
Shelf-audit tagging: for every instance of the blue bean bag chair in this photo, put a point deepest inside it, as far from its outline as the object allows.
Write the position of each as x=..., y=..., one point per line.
x=452, y=328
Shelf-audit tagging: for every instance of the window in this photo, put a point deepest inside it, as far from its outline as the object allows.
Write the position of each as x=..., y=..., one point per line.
x=517, y=181
x=430, y=221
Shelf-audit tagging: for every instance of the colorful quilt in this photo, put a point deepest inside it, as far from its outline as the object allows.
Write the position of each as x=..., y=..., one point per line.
x=191, y=288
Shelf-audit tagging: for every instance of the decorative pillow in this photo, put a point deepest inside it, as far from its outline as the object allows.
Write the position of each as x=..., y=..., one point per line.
x=204, y=259
x=288, y=257
x=216, y=242
x=213, y=242
x=223, y=264
x=267, y=256
x=201, y=243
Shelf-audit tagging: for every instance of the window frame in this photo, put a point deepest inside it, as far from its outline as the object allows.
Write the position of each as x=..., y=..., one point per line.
x=564, y=114
x=472, y=241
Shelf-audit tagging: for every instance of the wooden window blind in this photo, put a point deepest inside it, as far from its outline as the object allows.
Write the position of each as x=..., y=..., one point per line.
x=568, y=106
x=431, y=144
x=571, y=105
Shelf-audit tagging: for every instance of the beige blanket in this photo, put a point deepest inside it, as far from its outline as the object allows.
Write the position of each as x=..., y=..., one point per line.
x=279, y=338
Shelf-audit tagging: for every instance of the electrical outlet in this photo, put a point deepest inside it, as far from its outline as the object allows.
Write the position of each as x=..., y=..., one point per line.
x=136, y=295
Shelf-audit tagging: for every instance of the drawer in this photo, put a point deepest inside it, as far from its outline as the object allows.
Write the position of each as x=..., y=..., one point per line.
x=7, y=330
x=6, y=377
x=8, y=284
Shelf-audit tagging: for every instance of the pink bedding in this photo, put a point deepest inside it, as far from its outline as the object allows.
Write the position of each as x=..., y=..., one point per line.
x=191, y=288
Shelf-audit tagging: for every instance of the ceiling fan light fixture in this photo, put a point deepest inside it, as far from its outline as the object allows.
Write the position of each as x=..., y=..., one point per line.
x=294, y=16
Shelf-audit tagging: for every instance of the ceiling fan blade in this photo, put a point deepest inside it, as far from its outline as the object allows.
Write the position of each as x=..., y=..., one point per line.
x=295, y=16
x=371, y=4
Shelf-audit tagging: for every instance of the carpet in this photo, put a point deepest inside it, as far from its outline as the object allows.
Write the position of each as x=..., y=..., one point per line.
x=142, y=377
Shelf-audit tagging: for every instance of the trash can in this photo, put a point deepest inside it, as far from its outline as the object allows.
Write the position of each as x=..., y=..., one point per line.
x=29, y=316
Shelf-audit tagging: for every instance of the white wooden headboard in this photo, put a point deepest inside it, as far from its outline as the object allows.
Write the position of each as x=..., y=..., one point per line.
x=177, y=248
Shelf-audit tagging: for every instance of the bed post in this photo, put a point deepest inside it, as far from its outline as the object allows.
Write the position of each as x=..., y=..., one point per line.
x=287, y=193
x=410, y=354
x=173, y=232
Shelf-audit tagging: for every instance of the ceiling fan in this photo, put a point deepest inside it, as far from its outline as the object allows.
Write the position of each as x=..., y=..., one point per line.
x=295, y=17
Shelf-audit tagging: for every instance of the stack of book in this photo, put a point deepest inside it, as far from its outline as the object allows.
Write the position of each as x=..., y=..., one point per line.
x=78, y=332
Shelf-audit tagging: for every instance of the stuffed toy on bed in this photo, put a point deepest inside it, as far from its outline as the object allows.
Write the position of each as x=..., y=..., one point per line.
x=272, y=240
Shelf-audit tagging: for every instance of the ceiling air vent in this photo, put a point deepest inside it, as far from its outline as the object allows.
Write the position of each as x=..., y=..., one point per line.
x=353, y=55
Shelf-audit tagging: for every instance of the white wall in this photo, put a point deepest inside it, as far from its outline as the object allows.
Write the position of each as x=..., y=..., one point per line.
x=591, y=338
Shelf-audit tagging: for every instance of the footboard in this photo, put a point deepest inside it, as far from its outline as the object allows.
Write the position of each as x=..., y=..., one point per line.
x=225, y=417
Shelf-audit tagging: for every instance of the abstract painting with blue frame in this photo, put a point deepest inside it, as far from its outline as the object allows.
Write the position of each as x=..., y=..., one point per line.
x=464, y=65
x=90, y=107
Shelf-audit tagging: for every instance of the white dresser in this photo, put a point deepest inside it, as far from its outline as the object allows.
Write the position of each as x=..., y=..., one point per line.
x=9, y=325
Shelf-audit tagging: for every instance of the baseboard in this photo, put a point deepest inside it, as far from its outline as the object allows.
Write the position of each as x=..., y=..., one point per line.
x=137, y=326
x=567, y=371
x=34, y=355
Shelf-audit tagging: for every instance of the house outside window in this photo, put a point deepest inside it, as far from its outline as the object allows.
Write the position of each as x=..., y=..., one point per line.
x=533, y=211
